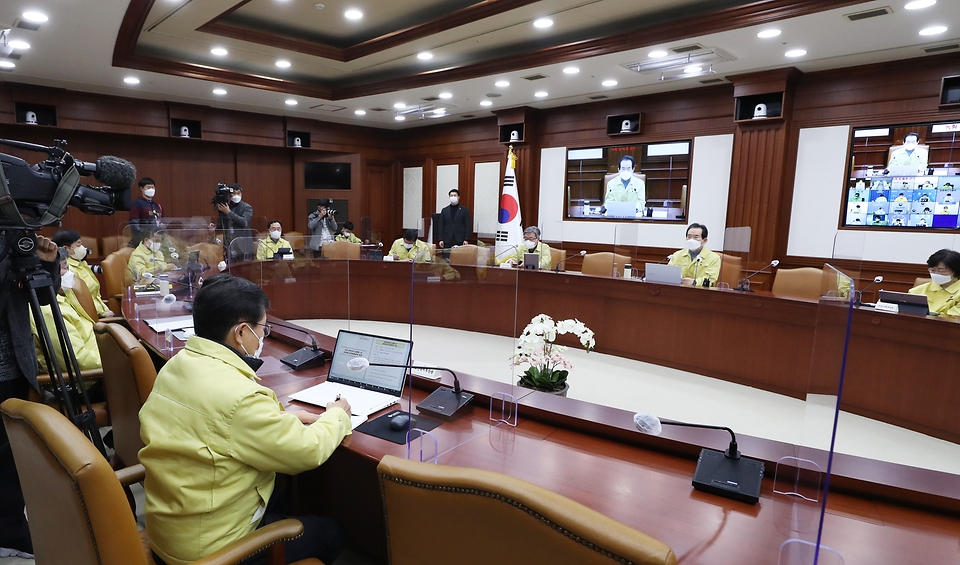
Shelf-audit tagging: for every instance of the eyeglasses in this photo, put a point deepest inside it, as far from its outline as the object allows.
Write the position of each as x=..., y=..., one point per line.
x=267, y=328
x=940, y=271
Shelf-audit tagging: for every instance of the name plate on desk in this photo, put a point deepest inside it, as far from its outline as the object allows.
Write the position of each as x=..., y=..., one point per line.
x=885, y=307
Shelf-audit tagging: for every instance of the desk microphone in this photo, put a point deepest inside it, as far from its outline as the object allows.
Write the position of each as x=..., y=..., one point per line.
x=306, y=357
x=582, y=253
x=696, y=268
x=744, y=284
x=725, y=473
x=510, y=248
x=858, y=295
x=665, y=259
x=442, y=402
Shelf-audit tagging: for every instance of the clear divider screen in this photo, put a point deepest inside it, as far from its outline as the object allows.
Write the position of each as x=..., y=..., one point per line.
x=735, y=259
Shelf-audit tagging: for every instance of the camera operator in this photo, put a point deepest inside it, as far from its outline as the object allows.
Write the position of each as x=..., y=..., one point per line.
x=322, y=226
x=18, y=372
x=234, y=220
x=144, y=211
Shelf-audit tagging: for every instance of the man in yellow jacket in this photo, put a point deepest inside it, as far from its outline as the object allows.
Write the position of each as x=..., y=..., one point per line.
x=78, y=324
x=215, y=439
x=698, y=265
x=76, y=261
x=531, y=244
x=409, y=248
x=147, y=260
x=269, y=247
x=943, y=290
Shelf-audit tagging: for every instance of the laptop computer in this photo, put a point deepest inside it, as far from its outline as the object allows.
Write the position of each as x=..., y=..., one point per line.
x=621, y=209
x=368, y=390
x=906, y=302
x=663, y=274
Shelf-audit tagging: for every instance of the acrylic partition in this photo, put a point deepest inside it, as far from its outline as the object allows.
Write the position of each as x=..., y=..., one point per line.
x=462, y=322
x=626, y=239
x=551, y=236
x=736, y=265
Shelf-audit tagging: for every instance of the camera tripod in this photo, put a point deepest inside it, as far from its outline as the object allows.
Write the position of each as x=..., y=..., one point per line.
x=70, y=391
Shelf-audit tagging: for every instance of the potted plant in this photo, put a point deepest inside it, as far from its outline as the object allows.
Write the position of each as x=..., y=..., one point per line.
x=548, y=369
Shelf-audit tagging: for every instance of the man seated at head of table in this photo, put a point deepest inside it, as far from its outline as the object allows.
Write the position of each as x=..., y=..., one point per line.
x=409, y=248
x=698, y=265
x=531, y=244
x=268, y=247
x=943, y=290
x=147, y=260
x=215, y=439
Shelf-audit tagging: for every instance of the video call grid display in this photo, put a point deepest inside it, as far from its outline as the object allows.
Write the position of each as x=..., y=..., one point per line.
x=916, y=202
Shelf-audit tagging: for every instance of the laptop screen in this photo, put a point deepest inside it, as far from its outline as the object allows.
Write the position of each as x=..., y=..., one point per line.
x=376, y=349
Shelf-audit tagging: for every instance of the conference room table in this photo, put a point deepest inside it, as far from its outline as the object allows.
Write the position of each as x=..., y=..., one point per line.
x=876, y=512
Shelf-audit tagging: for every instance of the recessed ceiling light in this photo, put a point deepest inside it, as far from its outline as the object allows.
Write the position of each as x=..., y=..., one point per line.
x=35, y=17
x=657, y=54
x=692, y=69
x=131, y=80
x=610, y=82
x=17, y=44
x=399, y=118
x=425, y=55
x=353, y=14
x=918, y=4
x=219, y=91
x=440, y=111
x=934, y=30
x=502, y=83
x=8, y=65
x=486, y=103
x=290, y=102
x=446, y=95
x=283, y=63
x=399, y=105
x=571, y=71
x=543, y=23
x=219, y=51
x=541, y=94
x=768, y=33
x=360, y=112
x=796, y=53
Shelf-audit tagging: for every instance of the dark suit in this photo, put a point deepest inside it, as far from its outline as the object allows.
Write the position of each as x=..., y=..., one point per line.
x=236, y=226
x=455, y=225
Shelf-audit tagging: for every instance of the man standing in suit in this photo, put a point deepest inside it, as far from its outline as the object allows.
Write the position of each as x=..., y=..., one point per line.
x=455, y=224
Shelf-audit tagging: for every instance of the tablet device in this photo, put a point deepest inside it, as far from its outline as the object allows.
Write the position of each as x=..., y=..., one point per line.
x=531, y=261
x=906, y=302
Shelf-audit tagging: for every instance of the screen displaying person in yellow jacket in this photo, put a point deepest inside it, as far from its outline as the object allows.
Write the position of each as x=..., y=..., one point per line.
x=214, y=439
x=78, y=324
x=76, y=262
x=910, y=153
x=269, y=246
x=147, y=260
x=698, y=265
x=531, y=244
x=626, y=187
x=943, y=290
x=346, y=234
x=409, y=248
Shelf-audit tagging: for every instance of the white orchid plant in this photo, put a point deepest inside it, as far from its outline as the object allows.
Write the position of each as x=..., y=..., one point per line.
x=548, y=369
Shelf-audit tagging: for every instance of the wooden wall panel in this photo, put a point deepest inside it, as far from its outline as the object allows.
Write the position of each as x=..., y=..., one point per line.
x=266, y=175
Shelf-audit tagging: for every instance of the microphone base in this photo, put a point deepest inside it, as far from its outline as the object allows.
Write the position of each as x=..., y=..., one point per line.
x=444, y=402
x=304, y=358
x=738, y=479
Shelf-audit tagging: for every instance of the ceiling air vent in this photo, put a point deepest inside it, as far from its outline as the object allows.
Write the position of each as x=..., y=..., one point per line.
x=712, y=81
x=378, y=109
x=328, y=108
x=869, y=14
x=941, y=48
x=430, y=99
x=598, y=97
x=467, y=116
x=22, y=24
x=537, y=76
x=688, y=48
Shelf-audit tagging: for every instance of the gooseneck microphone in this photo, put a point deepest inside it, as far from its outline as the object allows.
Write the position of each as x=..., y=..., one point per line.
x=581, y=253
x=744, y=283
x=441, y=402
x=306, y=357
x=858, y=295
x=724, y=473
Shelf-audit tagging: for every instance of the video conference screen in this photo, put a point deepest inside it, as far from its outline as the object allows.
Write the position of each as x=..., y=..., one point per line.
x=639, y=182
x=904, y=177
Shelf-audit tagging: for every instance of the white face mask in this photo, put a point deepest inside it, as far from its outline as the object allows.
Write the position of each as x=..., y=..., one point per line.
x=408, y=245
x=154, y=246
x=693, y=244
x=149, y=192
x=940, y=279
x=346, y=234
x=67, y=280
x=625, y=175
x=274, y=235
x=256, y=354
x=529, y=244
x=454, y=200
x=79, y=253
x=235, y=198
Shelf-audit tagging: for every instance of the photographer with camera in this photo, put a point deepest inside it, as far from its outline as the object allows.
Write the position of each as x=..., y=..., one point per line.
x=144, y=211
x=234, y=221
x=322, y=226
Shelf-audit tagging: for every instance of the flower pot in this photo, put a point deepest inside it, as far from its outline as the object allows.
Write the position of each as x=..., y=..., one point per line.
x=561, y=392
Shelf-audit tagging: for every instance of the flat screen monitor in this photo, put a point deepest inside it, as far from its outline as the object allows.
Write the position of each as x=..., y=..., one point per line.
x=326, y=176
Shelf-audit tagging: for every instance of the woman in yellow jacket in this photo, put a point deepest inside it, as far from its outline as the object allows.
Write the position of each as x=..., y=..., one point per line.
x=943, y=290
x=79, y=328
x=76, y=261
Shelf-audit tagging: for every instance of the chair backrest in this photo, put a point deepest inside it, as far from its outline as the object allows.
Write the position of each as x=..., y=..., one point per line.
x=804, y=282
x=464, y=255
x=603, y=264
x=78, y=511
x=295, y=238
x=730, y=268
x=114, y=277
x=611, y=176
x=85, y=299
x=921, y=280
x=128, y=377
x=341, y=250
x=113, y=243
x=500, y=519
x=91, y=243
x=557, y=255
x=210, y=253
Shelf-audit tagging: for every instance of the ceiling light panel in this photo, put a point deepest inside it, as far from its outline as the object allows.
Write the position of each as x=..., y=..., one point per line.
x=702, y=57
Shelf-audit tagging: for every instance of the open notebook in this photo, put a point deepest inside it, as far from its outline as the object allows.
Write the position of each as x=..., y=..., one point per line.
x=368, y=390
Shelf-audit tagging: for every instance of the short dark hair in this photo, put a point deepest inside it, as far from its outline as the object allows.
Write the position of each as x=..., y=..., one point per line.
x=236, y=186
x=145, y=181
x=271, y=222
x=703, y=229
x=633, y=163
x=410, y=235
x=950, y=259
x=348, y=225
x=914, y=134
x=224, y=301
x=452, y=190
x=66, y=238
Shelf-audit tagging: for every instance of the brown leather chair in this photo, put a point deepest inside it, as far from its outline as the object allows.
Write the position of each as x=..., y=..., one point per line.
x=78, y=511
x=128, y=377
x=464, y=255
x=804, y=282
x=115, y=276
x=603, y=264
x=557, y=255
x=730, y=268
x=295, y=238
x=85, y=299
x=210, y=253
x=113, y=243
x=487, y=517
x=91, y=243
x=921, y=280
x=341, y=250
